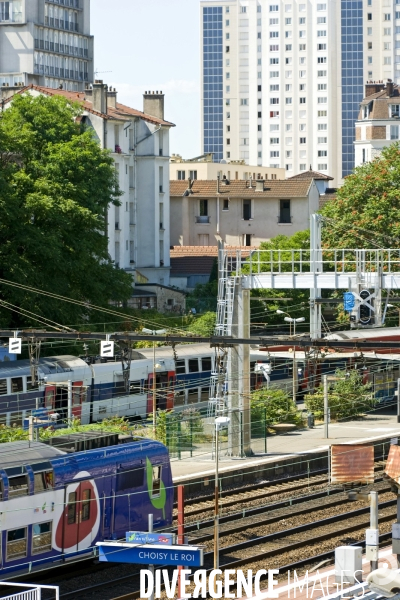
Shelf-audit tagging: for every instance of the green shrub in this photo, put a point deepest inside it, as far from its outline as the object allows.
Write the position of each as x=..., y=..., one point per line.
x=347, y=397
x=271, y=406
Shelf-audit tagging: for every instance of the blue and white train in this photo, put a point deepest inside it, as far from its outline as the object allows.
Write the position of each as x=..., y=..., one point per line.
x=56, y=505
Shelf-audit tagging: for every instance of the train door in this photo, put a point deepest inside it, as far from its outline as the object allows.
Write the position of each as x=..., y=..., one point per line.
x=50, y=397
x=81, y=514
x=162, y=382
x=78, y=394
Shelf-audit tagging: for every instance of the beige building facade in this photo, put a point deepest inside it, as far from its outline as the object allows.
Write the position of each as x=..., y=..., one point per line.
x=203, y=167
x=240, y=213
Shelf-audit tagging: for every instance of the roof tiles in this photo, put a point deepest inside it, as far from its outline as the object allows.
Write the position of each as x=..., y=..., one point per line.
x=282, y=188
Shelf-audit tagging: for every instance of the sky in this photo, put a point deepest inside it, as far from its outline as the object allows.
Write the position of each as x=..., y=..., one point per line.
x=142, y=45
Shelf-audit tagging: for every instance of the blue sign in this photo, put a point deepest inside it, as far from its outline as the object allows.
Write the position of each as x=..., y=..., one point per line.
x=348, y=301
x=185, y=556
x=141, y=537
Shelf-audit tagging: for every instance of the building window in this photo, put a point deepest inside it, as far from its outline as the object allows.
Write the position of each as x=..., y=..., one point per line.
x=274, y=21
x=225, y=205
x=288, y=154
x=192, y=174
x=322, y=140
x=321, y=59
x=387, y=31
x=302, y=47
x=302, y=100
x=288, y=21
x=321, y=73
x=322, y=152
x=303, y=140
x=203, y=208
x=322, y=167
x=181, y=175
x=386, y=17
x=288, y=101
x=247, y=210
x=274, y=140
x=321, y=20
x=274, y=154
x=284, y=211
x=288, y=47
x=394, y=132
x=322, y=113
x=387, y=60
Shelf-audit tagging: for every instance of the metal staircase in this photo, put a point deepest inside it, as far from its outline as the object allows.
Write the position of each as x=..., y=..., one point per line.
x=217, y=404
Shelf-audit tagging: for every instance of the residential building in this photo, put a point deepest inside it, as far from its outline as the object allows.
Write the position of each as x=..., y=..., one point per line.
x=282, y=79
x=46, y=42
x=138, y=229
x=240, y=213
x=377, y=125
x=203, y=167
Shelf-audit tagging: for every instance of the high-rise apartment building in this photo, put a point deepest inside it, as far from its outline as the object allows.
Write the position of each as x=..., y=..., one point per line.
x=46, y=42
x=283, y=79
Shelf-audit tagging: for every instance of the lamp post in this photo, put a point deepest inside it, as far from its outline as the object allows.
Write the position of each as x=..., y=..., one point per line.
x=220, y=423
x=154, y=332
x=291, y=320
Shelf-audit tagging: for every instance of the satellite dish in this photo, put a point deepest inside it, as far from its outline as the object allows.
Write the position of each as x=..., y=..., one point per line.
x=223, y=162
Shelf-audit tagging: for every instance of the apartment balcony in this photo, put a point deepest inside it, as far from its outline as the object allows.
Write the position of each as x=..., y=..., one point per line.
x=205, y=220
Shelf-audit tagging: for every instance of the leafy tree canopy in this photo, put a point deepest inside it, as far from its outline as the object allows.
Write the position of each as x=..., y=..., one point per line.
x=56, y=185
x=366, y=212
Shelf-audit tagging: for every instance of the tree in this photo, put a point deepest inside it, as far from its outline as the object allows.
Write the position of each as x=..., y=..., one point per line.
x=366, y=212
x=56, y=185
x=203, y=325
x=348, y=397
x=263, y=304
x=272, y=405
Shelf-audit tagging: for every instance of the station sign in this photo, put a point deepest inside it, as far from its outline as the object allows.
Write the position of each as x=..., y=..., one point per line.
x=143, y=537
x=106, y=349
x=119, y=552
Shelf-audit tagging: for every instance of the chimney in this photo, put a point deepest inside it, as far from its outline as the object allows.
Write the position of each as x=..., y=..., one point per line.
x=99, y=96
x=112, y=98
x=259, y=185
x=389, y=88
x=153, y=104
x=373, y=87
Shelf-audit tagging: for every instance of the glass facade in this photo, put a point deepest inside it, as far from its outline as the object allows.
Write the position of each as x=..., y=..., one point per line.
x=352, y=76
x=213, y=81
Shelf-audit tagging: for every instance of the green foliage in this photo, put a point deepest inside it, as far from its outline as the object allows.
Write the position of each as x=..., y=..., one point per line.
x=113, y=425
x=56, y=185
x=203, y=325
x=203, y=297
x=370, y=200
x=347, y=397
x=271, y=406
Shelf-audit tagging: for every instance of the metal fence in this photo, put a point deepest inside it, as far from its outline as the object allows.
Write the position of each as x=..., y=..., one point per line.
x=28, y=591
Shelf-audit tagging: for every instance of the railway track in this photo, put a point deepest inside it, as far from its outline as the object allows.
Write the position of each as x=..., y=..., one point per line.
x=286, y=545
x=256, y=493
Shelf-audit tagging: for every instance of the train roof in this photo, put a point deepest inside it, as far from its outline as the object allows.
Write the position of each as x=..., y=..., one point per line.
x=14, y=454
x=363, y=334
x=48, y=364
x=301, y=355
x=182, y=351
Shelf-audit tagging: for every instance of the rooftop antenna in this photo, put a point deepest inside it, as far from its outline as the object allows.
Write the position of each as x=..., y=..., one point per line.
x=97, y=72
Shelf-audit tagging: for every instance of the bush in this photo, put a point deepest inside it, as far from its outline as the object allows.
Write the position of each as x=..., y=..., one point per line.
x=272, y=406
x=347, y=397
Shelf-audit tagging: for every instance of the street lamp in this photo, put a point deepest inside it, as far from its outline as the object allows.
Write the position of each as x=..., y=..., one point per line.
x=220, y=423
x=154, y=332
x=291, y=320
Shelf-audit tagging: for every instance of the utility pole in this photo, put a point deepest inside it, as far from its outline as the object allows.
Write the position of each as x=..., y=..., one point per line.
x=326, y=407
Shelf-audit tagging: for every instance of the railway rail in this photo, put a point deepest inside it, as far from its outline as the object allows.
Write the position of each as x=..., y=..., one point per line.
x=288, y=544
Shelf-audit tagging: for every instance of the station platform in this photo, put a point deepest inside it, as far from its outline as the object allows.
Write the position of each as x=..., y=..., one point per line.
x=309, y=445
x=321, y=583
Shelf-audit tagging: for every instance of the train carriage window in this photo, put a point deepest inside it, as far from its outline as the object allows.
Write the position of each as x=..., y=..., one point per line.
x=156, y=481
x=16, y=543
x=180, y=367
x=129, y=478
x=71, y=508
x=193, y=365
x=17, y=486
x=85, y=505
x=43, y=477
x=135, y=387
x=29, y=384
x=41, y=537
x=16, y=385
x=3, y=387
x=206, y=364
